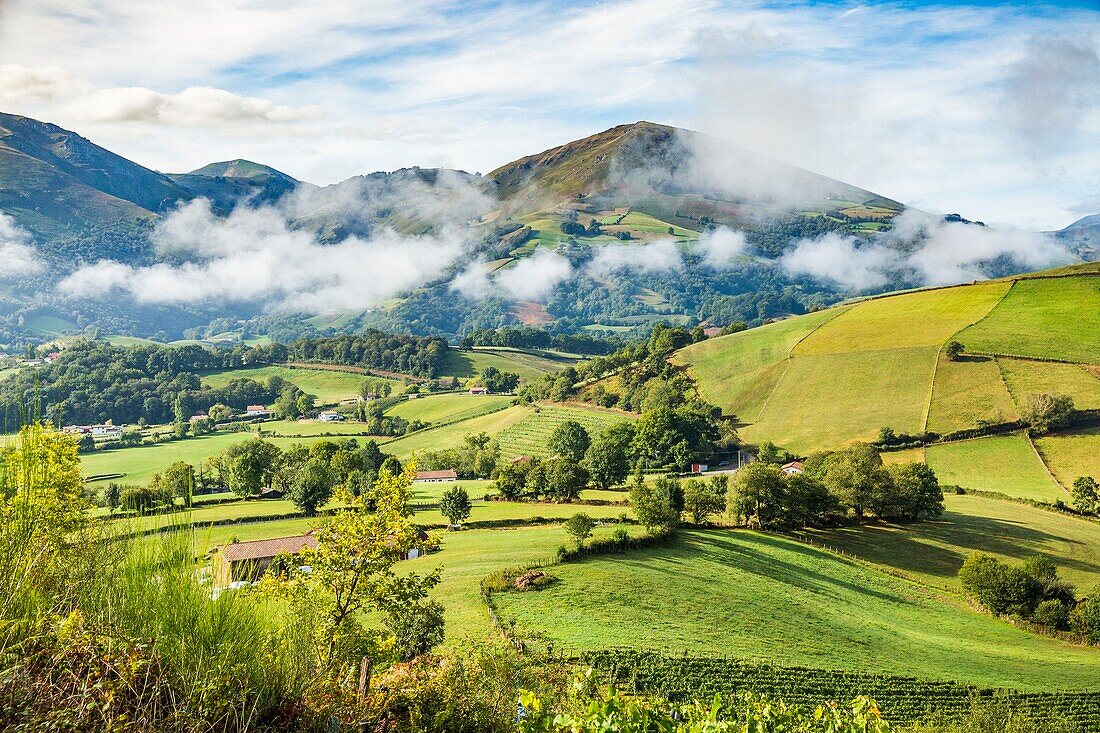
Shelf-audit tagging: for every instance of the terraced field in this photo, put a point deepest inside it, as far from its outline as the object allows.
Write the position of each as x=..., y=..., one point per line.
x=449, y=436
x=749, y=595
x=1003, y=463
x=529, y=436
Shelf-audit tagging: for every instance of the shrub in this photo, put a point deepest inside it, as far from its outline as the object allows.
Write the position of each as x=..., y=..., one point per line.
x=1085, y=618
x=1052, y=614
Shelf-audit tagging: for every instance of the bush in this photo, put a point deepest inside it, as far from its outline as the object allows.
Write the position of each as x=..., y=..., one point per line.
x=1052, y=614
x=1085, y=618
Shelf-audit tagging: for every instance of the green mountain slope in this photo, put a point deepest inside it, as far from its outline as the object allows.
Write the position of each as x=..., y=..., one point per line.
x=230, y=182
x=826, y=379
x=53, y=180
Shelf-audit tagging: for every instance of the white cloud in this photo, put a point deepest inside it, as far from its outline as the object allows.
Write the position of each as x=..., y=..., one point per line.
x=253, y=256
x=661, y=256
x=838, y=259
x=17, y=255
x=924, y=249
x=534, y=277
x=21, y=84
x=192, y=107
x=721, y=247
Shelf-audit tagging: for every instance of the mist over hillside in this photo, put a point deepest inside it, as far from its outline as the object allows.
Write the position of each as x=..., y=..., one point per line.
x=609, y=234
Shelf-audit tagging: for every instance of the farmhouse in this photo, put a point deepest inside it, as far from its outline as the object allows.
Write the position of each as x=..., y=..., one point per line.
x=258, y=411
x=792, y=468
x=414, y=395
x=434, y=477
x=479, y=390
x=699, y=468
x=250, y=560
x=330, y=416
x=197, y=417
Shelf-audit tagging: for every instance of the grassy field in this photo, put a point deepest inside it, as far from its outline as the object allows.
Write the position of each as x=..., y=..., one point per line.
x=749, y=595
x=967, y=391
x=1072, y=454
x=921, y=318
x=528, y=366
x=1003, y=463
x=449, y=436
x=903, y=456
x=934, y=551
x=449, y=407
x=530, y=435
x=739, y=371
x=315, y=428
x=329, y=387
x=1037, y=377
x=1056, y=318
x=828, y=400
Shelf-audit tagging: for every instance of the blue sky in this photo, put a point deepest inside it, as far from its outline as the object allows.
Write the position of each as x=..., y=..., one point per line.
x=989, y=109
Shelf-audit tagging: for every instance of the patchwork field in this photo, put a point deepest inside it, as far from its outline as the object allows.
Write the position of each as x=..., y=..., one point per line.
x=329, y=387
x=934, y=551
x=921, y=318
x=827, y=400
x=1071, y=454
x=739, y=371
x=1002, y=463
x=530, y=435
x=1026, y=378
x=748, y=595
x=449, y=407
x=1048, y=318
x=449, y=436
x=967, y=392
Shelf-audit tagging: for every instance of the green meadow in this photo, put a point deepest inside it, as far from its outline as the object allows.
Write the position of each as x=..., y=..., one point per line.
x=1025, y=378
x=966, y=392
x=450, y=407
x=530, y=435
x=449, y=436
x=328, y=386
x=1003, y=463
x=1071, y=454
x=528, y=366
x=1045, y=318
x=748, y=595
x=933, y=552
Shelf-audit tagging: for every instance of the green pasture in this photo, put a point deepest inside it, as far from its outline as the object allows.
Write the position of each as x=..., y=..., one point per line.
x=1071, y=454
x=823, y=401
x=933, y=552
x=317, y=428
x=966, y=392
x=51, y=325
x=748, y=595
x=530, y=435
x=1026, y=378
x=328, y=386
x=739, y=371
x=1003, y=463
x=449, y=407
x=449, y=436
x=528, y=366
x=919, y=318
x=1046, y=318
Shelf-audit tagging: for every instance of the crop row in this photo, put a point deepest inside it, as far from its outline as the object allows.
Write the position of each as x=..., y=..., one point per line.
x=902, y=699
x=531, y=434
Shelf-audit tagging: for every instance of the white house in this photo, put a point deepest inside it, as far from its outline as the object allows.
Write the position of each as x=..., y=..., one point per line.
x=258, y=411
x=330, y=416
x=791, y=469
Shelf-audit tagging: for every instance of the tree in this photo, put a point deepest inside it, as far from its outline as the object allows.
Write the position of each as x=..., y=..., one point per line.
x=112, y=496
x=768, y=453
x=352, y=578
x=455, y=505
x=311, y=485
x=655, y=503
x=1046, y=412
x=1085, y=617
x=219, y=412
x=855, y=475
x=607, y=458
x=1086, y=495
x=286, y=404
x=511, y=479
x=565, y=479
x=757, y=491
x=579, y=527
x=702, y=499
x=250, y=465
x=417, y=628
x=915, y=493
x=1001, y=588
x=178, y=481
x=569, y=440
x=954, y=350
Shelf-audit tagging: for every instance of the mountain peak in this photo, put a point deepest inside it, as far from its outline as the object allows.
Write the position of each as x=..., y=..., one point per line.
x=239, y=168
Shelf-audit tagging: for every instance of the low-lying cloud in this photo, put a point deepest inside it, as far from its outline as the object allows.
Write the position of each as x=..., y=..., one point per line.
x=924, y=250
x=721, y=248
x=531, y=278
x=661, y=256
x=253, y=256
x=18, y=256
